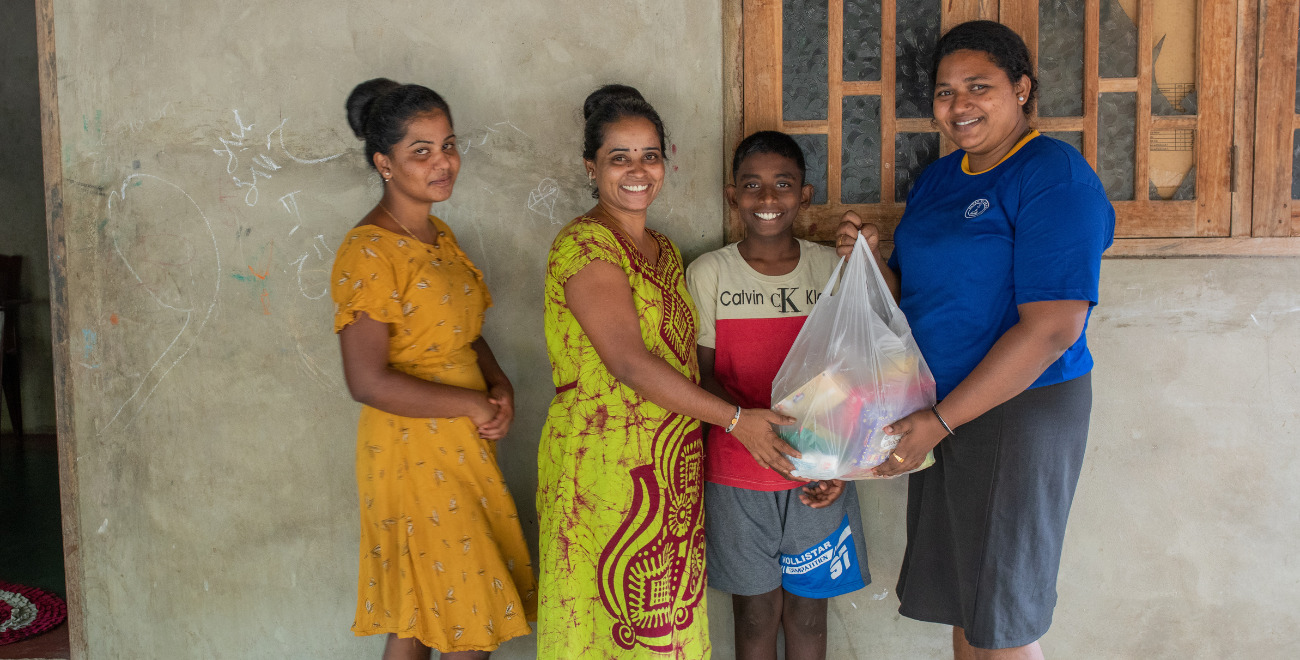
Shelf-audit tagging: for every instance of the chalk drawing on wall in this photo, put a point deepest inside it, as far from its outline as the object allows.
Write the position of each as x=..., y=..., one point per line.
x=252, y=159
x=261, y=165
x=308, y=364
x=312, y=267
x=279, y=132
x=290, y=204
x=197, y=307
x=310, y=278
x=542, y=200
x=89, y=339
x=479, y=137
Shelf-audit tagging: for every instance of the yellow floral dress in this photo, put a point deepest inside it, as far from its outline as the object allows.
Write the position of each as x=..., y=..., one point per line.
x=620, y=479
x=443, y=558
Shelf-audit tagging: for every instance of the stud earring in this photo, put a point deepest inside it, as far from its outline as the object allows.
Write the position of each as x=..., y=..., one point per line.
x=1022, y=98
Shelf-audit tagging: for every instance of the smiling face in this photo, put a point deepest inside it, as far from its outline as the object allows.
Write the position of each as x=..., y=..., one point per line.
x=629, y=166
x=423, y=165
x=978, y=107
x=769, y=193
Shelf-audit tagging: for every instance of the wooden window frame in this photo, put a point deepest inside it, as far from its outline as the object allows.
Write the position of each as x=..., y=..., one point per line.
x=1235, y=213
x=1274, y=213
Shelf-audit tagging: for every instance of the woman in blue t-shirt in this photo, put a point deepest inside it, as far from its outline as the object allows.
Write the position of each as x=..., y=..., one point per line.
x=996, y=264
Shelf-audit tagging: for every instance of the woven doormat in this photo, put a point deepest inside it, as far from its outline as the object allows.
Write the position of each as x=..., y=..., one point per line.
x=28, y=611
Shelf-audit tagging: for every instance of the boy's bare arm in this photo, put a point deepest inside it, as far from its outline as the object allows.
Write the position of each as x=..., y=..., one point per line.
x=708, y=381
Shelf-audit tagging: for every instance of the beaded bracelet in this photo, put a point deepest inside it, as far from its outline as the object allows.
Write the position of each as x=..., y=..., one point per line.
x=935, y=409
x=734, y=420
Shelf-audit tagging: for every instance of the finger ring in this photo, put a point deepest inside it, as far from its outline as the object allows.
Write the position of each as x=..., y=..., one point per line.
x=897, y=457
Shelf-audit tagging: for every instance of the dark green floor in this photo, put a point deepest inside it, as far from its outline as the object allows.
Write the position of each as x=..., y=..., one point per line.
x=31, y=543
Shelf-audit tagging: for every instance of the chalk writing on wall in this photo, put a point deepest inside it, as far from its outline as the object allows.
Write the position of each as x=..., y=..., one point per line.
x=479, y=137
x=542, y=200
x=260, y=163
x=197, y=307
x=179, y=269
x=313, y=281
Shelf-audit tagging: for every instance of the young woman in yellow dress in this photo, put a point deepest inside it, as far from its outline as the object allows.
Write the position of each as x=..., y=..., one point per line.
x=443, y=563
x=620, y=466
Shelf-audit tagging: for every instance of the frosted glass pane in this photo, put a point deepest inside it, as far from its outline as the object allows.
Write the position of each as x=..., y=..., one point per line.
x=1060, y=58
x=1295, y=166
x=918, y=32
x=1118, y=41
x=814, y=155
x=804, y=60
x=1116, y=124
x=913, y=152
x=1297, y=86
x=862, y=40
x=860, y=162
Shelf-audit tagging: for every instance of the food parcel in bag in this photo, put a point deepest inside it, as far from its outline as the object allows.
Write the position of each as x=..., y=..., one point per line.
x=853, y=369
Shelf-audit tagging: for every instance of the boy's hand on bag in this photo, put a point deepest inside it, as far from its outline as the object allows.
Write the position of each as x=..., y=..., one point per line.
x=754, y=431
x=847, y=234
x=921, y=431
x=819, y=494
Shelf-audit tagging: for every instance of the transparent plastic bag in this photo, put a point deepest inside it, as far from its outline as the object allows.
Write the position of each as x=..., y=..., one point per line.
x=853, y=369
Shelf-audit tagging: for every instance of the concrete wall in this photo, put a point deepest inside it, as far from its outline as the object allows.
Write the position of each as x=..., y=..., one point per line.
x=1182, y=539
x=22, y=220
x=214, y=436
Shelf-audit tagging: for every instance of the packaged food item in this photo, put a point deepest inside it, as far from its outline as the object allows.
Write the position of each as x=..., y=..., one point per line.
x=853, y=369
x=821, y=394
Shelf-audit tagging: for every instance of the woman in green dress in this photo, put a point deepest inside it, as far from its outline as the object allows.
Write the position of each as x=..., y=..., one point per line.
x=621, y=457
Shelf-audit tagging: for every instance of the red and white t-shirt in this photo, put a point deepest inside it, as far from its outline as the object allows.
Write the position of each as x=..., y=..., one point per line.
x=750, y=320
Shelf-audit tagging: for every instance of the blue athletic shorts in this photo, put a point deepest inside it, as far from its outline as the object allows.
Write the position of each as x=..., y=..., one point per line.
x=760, y=540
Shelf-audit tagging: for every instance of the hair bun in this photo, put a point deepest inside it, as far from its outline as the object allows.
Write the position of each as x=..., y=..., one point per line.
x=362, y=99
x=609, y=104
x=613, y=93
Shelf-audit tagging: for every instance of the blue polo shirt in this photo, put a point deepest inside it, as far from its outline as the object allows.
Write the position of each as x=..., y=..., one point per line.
x=971, y=247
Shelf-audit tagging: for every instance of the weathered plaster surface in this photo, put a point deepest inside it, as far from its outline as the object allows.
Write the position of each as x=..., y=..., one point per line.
x=214, y=436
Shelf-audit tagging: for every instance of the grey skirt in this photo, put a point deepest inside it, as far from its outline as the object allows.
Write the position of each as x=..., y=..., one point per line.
x=986, y=522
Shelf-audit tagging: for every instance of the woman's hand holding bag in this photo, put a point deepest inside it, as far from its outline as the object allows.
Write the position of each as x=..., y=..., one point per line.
x=754, y=431
x=851, y=373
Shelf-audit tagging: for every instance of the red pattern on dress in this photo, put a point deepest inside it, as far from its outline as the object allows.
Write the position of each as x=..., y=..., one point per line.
x=652, y=570
x=678, y=326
